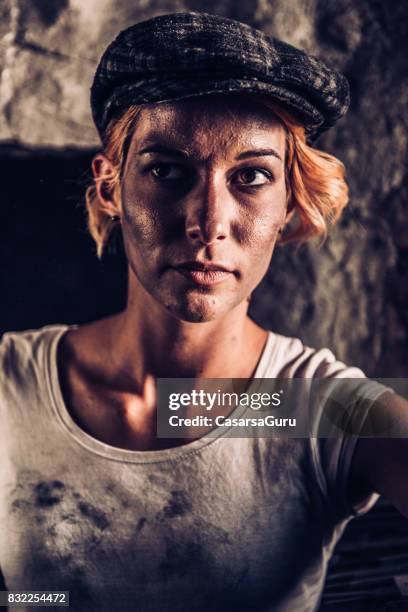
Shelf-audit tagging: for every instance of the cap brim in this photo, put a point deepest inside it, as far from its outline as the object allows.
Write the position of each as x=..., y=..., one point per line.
x=155, y=91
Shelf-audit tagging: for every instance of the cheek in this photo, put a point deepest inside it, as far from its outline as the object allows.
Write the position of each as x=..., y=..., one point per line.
x=261, y=249
x=261, y=222
x=141, y=221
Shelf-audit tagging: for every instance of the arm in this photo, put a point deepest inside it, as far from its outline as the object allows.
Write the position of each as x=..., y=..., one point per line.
x=381, y=463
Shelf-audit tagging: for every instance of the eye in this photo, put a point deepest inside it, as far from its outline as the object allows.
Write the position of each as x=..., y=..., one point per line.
x=166, y=172
x=253, y=177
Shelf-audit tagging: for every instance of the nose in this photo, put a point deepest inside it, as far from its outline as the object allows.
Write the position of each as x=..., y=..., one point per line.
x=209, y=213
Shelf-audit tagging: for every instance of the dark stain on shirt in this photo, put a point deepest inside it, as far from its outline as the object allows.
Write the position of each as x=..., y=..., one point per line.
x=69, y=517
x=96, y=516
x=212, y=533
x=177, y=505
x=110, y=488
x=48, y=494
x=20, y=504
x=179, y=558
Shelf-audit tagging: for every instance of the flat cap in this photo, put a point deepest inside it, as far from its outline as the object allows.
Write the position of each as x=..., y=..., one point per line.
x=180, y=55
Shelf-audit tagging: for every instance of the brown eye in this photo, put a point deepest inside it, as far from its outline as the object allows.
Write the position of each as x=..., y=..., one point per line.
x=166, y=172
x=253, y=177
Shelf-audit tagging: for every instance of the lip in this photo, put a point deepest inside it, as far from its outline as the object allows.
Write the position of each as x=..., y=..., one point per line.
x=203, y=266
x=203, y=273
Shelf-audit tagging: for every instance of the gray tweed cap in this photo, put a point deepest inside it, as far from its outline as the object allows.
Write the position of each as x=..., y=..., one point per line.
x=180, y=55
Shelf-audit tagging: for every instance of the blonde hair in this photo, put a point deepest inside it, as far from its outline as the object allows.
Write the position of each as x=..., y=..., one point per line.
x=315, y=181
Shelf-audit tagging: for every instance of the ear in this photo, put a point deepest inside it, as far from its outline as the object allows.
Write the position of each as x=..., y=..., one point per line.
x=107, y=185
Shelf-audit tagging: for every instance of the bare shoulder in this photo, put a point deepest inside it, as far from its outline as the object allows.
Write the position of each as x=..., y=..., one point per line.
x=85, y=346
x=82, y=359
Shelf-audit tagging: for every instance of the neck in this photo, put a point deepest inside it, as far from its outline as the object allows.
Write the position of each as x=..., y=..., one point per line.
x=147, y=339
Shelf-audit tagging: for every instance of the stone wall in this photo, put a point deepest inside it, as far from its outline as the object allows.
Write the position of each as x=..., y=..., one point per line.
x=350, y=295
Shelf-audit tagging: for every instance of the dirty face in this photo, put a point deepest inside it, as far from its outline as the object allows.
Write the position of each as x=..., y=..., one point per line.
x=204, y=181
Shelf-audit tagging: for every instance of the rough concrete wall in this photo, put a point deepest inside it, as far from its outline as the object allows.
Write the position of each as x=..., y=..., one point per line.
x=349, y=296
x=50, y=48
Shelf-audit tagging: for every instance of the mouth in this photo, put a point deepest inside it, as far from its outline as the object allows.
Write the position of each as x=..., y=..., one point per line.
x=203, y=273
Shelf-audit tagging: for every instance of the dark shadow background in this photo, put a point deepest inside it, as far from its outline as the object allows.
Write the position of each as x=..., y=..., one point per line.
x=50, y=270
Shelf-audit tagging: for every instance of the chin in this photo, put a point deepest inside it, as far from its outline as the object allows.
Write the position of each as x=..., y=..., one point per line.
x=197, y=309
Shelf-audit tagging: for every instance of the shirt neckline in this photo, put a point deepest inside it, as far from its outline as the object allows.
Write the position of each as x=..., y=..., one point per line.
x=75, y=432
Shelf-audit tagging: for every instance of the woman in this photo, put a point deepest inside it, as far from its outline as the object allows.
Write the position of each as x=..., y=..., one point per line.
x=204, y=123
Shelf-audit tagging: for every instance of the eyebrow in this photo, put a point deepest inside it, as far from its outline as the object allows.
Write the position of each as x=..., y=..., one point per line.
x=158, y=148
x=259, y=153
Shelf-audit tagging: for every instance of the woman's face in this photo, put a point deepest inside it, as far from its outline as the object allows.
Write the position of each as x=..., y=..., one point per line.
x=204, y=181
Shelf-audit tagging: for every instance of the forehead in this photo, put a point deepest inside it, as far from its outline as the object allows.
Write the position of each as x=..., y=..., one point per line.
x=209, y=126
